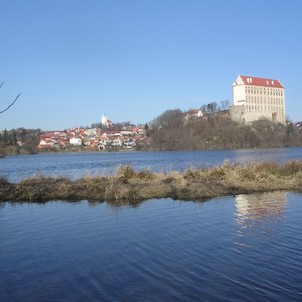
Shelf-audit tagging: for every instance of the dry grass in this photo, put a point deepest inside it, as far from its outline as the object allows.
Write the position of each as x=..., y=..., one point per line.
x=134, y=186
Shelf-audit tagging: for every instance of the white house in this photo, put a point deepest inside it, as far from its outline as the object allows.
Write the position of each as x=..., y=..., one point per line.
x=75, y=141
x=192, y=114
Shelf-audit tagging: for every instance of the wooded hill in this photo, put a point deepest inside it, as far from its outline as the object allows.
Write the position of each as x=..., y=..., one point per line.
x=19, y=141
x=174, y=131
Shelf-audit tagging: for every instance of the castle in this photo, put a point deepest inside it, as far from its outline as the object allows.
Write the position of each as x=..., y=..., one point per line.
x=257, y=98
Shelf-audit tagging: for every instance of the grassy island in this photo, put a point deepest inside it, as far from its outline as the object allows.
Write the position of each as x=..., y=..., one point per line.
x=135, y=186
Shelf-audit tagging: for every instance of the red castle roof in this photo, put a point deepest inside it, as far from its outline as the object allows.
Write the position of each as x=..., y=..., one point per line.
x=261, y=82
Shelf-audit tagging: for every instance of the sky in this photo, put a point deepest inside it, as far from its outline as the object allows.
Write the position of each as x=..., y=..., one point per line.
x=74, y=60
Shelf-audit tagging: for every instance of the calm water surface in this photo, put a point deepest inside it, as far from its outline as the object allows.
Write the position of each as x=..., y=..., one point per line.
x=78, y=165
x=243, y=248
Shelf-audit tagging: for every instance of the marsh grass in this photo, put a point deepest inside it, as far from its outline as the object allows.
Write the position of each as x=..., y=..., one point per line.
x=134, y=186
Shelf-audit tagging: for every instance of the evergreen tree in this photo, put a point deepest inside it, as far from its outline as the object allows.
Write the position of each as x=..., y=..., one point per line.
x=5, y=136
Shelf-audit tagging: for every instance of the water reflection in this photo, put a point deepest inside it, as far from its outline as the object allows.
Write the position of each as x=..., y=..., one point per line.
x=258, y=217
x=255, y=209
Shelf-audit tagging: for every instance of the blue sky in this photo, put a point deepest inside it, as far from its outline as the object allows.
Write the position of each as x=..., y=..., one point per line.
x=74, y=60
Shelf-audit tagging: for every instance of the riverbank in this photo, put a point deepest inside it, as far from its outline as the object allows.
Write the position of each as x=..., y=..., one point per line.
x=135, y=186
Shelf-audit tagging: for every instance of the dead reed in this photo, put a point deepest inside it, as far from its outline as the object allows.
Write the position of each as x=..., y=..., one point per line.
x=135, y=186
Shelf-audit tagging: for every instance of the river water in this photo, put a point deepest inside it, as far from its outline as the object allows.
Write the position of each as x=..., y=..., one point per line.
x=239, y=248
x=76, y=165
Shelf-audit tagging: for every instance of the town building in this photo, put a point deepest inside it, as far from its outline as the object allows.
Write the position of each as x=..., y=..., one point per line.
x=257, y=98
x=105, y=122
x=192, y=114
x=128, y=137
x=75, y=141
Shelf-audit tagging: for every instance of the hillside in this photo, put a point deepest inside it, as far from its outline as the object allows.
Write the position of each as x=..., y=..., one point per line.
x=174, y=131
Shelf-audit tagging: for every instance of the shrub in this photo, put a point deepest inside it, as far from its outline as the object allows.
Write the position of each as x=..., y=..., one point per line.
x=126, y=171
x=292, y=167
x=145, y=174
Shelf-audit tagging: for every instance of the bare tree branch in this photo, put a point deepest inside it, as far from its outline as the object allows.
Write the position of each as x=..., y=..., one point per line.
x=11, y=104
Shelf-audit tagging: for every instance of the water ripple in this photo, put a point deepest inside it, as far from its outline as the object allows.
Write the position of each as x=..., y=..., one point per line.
x=246, y=248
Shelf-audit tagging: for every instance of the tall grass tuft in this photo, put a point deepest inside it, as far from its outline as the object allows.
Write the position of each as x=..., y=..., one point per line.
x=126, y=171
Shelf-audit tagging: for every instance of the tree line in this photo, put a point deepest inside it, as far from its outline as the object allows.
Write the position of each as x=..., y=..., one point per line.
x=19, y=141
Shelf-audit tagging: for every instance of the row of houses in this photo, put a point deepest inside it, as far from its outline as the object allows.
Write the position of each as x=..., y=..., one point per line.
x=128, y=137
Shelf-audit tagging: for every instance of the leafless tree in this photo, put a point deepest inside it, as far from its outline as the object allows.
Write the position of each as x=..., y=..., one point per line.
x=12, y=103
